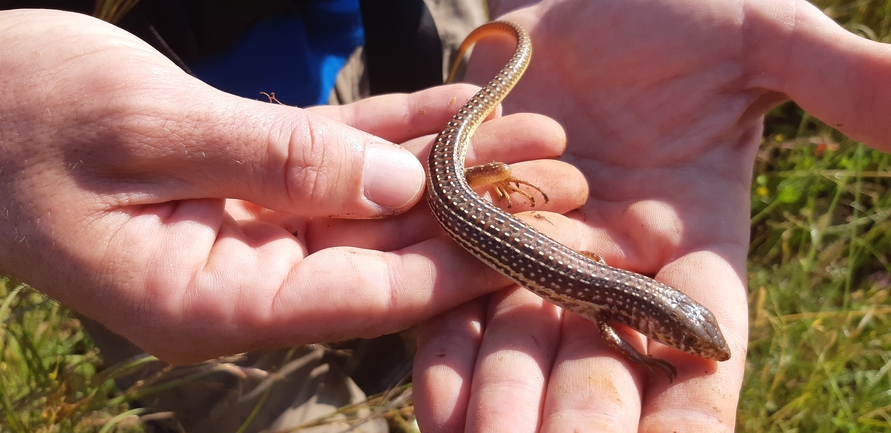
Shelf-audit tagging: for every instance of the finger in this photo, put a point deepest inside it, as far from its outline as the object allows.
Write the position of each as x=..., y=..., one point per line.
x=257, y=288
x=835, y=75
x=333, y=170
x=389, y=176
x=705, y=394
x=448, y=346
x=590, y=387
x=519, y=344
x=518, y=137
x=401, y=117
x=282, y=158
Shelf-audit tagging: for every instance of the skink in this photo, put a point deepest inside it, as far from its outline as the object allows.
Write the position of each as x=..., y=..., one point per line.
x=575, y=281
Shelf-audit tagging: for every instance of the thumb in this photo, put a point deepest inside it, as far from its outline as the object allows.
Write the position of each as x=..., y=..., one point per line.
x=148, y=133
x=300, y=162
x=282, y=158
x=837, y=76
x=313, y=162
x=332, y=169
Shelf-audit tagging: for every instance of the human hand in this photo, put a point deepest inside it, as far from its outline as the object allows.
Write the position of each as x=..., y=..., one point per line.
x=117, y=167
x=662, y=102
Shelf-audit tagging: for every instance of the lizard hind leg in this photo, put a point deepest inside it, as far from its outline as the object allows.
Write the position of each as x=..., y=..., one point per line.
x=617, y=342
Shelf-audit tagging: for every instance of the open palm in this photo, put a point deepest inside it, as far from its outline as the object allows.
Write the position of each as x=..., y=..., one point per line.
x=662, y=103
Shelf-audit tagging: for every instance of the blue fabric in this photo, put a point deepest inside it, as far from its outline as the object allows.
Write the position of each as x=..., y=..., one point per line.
x=296, y=56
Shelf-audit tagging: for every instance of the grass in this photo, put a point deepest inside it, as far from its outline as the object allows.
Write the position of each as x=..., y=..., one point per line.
x=820, y=346
x=819, y=270
x=819, y=283
x=49, y=369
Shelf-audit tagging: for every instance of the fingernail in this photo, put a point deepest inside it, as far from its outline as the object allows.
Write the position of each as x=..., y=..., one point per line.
x=393, y=176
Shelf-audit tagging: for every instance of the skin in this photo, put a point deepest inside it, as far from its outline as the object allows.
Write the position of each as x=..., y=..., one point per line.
x=662, y=103
x=199, y=224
